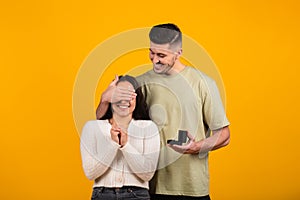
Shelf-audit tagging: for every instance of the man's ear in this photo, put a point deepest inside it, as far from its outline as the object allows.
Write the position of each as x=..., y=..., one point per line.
x=178, y=53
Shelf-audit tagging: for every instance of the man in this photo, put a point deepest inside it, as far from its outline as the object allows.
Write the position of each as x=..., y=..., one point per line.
x=179, y=98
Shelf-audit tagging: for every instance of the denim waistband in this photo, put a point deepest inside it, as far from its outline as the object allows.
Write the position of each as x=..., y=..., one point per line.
x=118, y=189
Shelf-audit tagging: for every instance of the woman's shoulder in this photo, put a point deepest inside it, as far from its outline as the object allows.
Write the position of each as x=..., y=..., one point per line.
x=143, y=123
x=95, y=123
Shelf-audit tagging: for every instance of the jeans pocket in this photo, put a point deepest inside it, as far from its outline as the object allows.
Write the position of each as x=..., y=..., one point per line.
x=95, y=194
x=140, y=193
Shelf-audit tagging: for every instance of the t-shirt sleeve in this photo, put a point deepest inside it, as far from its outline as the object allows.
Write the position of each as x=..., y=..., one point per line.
x=213, y=111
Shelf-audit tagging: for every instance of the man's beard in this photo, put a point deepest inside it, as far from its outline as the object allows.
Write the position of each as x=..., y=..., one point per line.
x=166, y=68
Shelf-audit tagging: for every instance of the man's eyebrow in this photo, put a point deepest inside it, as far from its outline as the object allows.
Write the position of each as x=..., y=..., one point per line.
x=158, y=53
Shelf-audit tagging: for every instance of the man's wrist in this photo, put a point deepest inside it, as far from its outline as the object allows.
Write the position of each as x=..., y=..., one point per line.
x=198, y=146
x=104, y=101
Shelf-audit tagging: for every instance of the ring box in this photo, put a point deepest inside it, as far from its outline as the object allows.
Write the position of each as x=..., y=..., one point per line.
x=182, y=138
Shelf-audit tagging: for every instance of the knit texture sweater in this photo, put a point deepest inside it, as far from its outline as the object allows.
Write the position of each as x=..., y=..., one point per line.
x=109, y=164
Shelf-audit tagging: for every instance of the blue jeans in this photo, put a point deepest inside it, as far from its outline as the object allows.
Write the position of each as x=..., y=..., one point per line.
x=126, y=192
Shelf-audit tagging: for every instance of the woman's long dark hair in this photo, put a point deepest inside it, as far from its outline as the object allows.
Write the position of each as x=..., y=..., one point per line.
x=141, y=111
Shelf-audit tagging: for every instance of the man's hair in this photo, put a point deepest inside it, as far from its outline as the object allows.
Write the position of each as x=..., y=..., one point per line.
x=166, y=34
x=141, y=111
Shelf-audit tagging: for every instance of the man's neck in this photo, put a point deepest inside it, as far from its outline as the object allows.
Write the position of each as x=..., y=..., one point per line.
x=177, y=68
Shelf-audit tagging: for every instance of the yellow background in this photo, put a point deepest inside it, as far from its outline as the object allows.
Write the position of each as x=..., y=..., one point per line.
x=255, y=45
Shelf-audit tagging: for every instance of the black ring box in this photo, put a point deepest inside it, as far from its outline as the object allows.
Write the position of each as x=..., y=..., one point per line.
x=182, y=138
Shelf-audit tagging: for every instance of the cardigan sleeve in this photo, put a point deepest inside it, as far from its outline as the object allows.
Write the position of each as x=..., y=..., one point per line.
x=143, y=163
x=97, y=150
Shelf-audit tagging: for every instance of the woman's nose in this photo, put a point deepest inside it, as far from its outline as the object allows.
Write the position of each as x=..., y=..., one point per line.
x=124, y=102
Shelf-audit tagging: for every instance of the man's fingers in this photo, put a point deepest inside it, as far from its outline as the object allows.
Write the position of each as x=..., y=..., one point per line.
x=114, y=82
x=126, y=90
x=178, y=148
x=123, y=94
x=116, y=77
x=121, y=99
x=190, y=136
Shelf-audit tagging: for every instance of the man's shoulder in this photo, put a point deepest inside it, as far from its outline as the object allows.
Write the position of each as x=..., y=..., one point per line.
x=145, y=76
x=197, y=74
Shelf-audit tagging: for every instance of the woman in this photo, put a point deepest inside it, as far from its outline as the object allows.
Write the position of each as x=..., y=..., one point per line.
x=120, y=151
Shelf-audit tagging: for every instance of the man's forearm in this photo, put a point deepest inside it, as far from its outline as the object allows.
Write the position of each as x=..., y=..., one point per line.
x=219, y=138
x=101, y=109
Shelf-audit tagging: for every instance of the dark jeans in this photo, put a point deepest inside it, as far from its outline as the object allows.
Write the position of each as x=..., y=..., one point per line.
x=171, y=197
x=126, y=192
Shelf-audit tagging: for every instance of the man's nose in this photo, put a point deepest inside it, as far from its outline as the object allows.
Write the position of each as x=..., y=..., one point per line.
x=155, y=59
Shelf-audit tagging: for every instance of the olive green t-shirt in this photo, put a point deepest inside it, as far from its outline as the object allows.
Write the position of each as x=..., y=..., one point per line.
x=189, y=101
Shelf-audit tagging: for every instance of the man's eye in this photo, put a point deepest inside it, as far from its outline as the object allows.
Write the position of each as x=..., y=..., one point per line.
x=161, y=55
